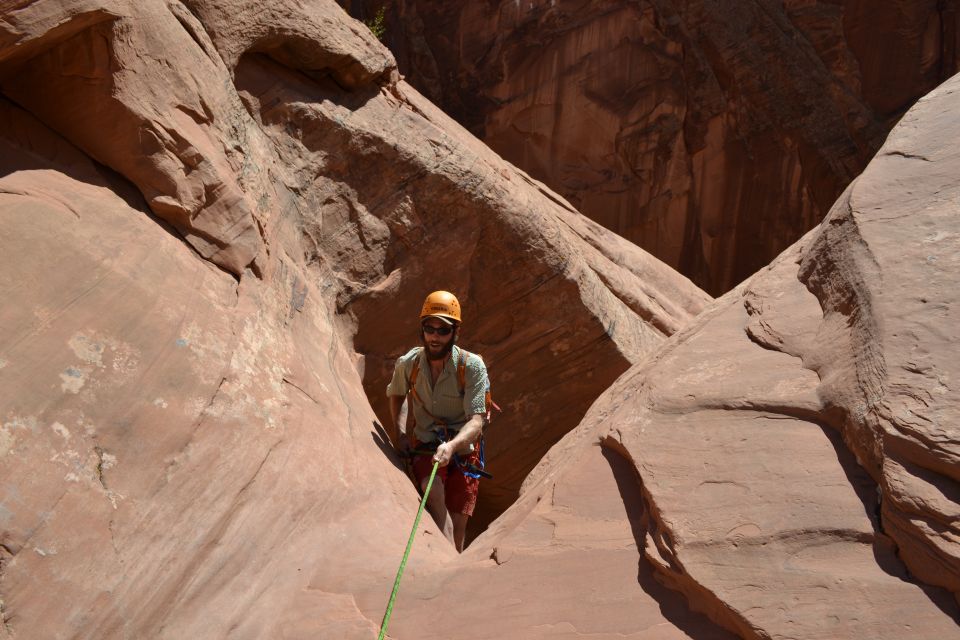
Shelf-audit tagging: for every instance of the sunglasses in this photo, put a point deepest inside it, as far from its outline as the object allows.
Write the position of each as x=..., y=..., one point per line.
x=443, y=331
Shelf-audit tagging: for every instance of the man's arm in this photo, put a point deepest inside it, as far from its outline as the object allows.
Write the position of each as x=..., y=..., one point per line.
x=474, y=406
x=396, y=392
x=469, y=434
x=396, y=402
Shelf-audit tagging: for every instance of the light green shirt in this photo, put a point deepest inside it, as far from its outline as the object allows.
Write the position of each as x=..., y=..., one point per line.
x=443, y=399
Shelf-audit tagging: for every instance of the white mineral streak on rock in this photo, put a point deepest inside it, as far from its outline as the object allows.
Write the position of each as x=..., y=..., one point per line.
x=88, y=350
x=7, y=439
x=61, y=431
x=73, y=380
x=9, y=428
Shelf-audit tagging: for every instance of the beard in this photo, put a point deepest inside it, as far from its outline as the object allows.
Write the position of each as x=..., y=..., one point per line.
x=441, y=354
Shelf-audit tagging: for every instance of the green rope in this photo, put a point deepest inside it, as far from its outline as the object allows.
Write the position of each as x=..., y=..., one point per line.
x=406, y=554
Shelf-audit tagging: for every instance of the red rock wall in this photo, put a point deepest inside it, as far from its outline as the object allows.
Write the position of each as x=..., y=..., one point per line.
x=219, y=221
x=795, y=448
x=711, y=134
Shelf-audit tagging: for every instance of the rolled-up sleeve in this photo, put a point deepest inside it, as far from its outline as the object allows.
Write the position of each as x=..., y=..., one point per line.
x=476, y=385
x=398, y=384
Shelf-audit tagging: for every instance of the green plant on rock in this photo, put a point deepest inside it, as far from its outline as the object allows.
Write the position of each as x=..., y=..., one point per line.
x=377, y=24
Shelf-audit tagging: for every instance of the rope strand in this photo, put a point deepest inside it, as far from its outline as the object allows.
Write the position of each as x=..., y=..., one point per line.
x=406, y=554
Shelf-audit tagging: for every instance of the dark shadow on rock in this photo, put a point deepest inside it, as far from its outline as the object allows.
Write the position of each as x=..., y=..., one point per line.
x=434, y=218
x=861, y=482
x=380, y=438
x=673, y=605
x=29, y=144
x=260, y=74
x=884, y=548
x=943, y=600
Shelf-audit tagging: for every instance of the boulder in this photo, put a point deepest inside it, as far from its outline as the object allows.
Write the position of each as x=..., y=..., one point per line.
x=178, y=450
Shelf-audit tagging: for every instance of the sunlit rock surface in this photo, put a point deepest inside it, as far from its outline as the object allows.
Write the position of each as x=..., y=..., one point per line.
x=219, y=221
x=796, y=446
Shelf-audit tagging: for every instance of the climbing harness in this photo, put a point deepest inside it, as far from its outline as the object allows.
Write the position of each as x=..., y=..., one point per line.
x=406, y=554
x=473, y=470
x=469, y=469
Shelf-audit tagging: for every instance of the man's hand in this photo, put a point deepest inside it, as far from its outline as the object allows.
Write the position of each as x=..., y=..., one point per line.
x=403, y=445
x=444, y=454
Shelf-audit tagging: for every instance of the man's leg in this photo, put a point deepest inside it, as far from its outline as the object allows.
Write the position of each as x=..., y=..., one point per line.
x=459, y=529
x=461, y=499
x=437, y=507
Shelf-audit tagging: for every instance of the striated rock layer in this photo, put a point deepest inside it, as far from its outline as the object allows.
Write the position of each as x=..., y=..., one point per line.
x=712, y=134
x=796, y=446
x=219, y=222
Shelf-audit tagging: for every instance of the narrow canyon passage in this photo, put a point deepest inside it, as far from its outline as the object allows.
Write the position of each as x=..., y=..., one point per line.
x=572, y=568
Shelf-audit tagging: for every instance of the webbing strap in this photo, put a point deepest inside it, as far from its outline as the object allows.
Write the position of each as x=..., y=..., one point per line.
x=462, y=374
x=412, y=382
x=414, y=396
x=406, y=555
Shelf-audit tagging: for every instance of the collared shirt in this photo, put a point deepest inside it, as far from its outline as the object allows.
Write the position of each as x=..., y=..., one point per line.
x=443, y=399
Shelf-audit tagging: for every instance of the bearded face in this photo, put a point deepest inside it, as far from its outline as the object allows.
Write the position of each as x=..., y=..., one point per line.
x=436, y=345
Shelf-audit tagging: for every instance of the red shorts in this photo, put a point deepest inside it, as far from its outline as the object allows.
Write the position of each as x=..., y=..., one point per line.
x=460, y=490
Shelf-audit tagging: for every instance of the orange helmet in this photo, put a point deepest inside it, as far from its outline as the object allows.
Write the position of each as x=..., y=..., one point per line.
x=443, y=305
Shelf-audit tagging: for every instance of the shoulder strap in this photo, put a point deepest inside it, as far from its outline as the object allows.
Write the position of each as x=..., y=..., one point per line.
x=412, y=380
x=412, y=390
x=411, y=421
x=462, y=372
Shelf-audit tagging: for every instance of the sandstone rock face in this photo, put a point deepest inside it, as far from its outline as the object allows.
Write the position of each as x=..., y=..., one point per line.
x=566, y=566
x=796, y=446
x=427, y=224
x=219, y=222
x=713, y=135
x=163, y=427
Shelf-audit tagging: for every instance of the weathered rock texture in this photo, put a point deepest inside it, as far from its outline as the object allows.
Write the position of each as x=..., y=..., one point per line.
x=788, y=462
x=565, y=564
x=219, y=220
x=796, y=447
x=713, y=134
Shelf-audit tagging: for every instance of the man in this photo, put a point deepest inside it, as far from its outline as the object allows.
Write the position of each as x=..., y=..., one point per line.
x=448, y=400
